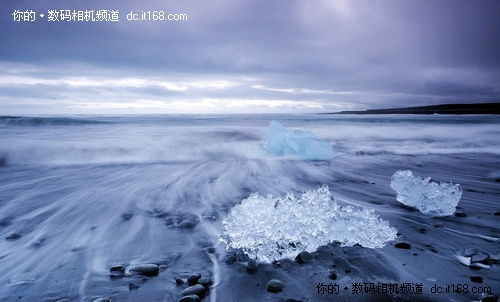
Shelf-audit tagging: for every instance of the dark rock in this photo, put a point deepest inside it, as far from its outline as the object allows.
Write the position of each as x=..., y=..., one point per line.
x=332, y=276
x=347, y=271
x=205, y=281
x=460, y=214
x=230, y=259
x=197, y=289
x=145, y=269
x=117, y=271
x=193, y=278
x=133, y=286
x=304, y=257
x=495, y=258
x=274, y=286
x=179, y=281
x=13, y=236
x=190, y=298
x=477, y=279
x=481, y=258
x=415, y=254
x=187, y=224
x=490, y=298
x=497, y=179
x=422, y=230
x=210, y=250
x=497, y=213
x=251, y=266
x=127, y=216
x=102, y=300
x=402, y=245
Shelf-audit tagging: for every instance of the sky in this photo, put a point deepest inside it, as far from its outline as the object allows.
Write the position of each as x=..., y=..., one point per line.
x=252, y=56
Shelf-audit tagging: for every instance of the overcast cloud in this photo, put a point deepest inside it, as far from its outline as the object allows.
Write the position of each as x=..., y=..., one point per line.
x=251, y=56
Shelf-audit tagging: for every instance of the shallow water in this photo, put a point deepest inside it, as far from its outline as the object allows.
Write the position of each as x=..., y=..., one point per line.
x=88, y=192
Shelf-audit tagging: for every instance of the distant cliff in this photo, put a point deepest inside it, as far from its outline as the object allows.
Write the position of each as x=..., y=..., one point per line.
x=482, y=108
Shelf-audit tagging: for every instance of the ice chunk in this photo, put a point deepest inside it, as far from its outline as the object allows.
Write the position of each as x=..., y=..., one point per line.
x=271, y=228
x=283, y=141
x=429, y=197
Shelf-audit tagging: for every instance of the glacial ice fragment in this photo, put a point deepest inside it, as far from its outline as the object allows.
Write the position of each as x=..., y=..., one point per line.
x=282, y=141
x=429, y=197
x=269, y=228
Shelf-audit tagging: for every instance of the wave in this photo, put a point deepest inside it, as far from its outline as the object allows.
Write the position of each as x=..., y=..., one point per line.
x=45, y=121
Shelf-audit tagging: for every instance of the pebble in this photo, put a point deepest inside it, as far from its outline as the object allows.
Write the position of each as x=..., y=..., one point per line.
x=402, y=245
x=497, y=213
x=117, y=271
x=205, y=281
x=477, y=279
x=193, y=278
x=460, y=214
x=197, y=289
x=145, y=269
x=332, y=276
x=230, y=259
x=190, y=298
x=481, y=258
x=132, y=286
x=179, y=281
x=13, y=236
x=251, y=266
x=304, y=257
x=275, y=285
x=490, y=298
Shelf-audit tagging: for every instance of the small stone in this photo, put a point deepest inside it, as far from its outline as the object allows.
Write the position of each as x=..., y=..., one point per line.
x=13, y=236
x=102, y=300
x=460, y=214
x=332, y=276
x=490, y=298
x=415, y=254
x=274, y=286
x=187, y=224
x=402, y=245
x=193, y=279
x=304, y=257
x=117, y=271
x=481, y=258
x=205, y=281
x=133, y=286
x=179, y=281
x=347, y=271
x=497, y=213
x=197, y=289
x=127, y=216
x=190, y=298
x=251, y=266
x=145, y=269
x=210, y=250
x=495, y=258
x=230, y=259
x=477, y=279
x=422, y=230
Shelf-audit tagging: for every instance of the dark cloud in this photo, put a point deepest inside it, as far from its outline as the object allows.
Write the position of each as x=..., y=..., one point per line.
x=347, y=54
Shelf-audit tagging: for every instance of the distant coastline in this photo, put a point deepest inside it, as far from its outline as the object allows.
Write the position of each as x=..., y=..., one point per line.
x=481, y=108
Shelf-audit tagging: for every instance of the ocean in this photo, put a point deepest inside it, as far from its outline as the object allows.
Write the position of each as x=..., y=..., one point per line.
x=84, y=193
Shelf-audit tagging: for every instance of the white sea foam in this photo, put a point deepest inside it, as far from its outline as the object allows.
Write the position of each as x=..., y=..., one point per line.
x=268, y=228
